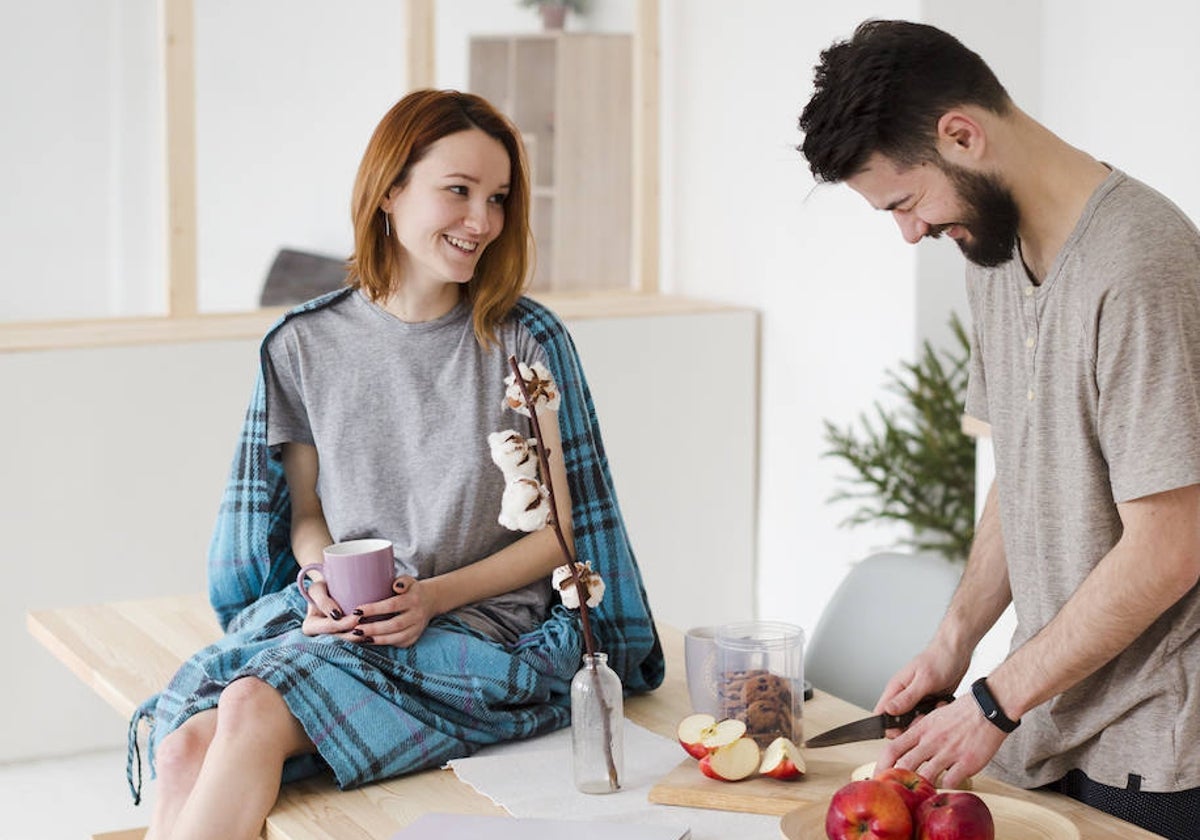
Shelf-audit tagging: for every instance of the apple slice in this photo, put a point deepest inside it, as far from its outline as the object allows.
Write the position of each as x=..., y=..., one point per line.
x=733, y=761
x=867, y=771
x=863, y=772
x=700, y=734
x=782, y=760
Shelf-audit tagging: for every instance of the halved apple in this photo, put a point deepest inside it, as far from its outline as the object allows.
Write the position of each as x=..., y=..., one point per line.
x=732, y=762
x=782, y=760
x=700, y=734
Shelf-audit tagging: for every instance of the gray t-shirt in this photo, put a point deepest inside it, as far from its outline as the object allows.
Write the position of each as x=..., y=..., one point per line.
x=400, y=413
x=1091, y=384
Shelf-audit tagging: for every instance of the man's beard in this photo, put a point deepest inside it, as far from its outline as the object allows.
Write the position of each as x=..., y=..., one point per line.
x=990, y=217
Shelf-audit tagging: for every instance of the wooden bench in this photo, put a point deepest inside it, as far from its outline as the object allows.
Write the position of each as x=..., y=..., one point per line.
x=128, y=650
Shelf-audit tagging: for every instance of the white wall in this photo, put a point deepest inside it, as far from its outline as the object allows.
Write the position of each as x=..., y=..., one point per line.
x=1119, y=82
x=80, y=190
x=115, y=460
x=743, y=223
x=287, y=95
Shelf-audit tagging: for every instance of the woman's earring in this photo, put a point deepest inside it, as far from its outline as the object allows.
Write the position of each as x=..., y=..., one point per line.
x=387, y=225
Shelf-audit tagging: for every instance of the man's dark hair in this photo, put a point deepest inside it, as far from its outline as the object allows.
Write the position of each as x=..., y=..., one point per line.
x=884, y=91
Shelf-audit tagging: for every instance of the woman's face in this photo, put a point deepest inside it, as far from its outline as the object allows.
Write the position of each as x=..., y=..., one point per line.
x=450, y=210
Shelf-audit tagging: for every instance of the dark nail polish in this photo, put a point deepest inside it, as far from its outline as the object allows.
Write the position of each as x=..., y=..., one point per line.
x=336, y=614
x=368, y=640
x=357, y=632
x=358, y=612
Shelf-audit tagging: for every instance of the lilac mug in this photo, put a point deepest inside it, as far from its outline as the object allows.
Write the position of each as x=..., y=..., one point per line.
x=357, y=572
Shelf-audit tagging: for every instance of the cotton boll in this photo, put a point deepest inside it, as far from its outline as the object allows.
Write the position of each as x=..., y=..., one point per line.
x=595, y=588
x=561, y=581
x=543, y=391
x=513, y=454
x=593, y=585
x=525, y=505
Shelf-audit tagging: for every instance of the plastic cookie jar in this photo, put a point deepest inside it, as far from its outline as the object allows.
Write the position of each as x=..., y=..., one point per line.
x=760, y=678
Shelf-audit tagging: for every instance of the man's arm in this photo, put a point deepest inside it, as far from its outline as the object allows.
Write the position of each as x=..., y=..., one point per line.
x=1156, y=562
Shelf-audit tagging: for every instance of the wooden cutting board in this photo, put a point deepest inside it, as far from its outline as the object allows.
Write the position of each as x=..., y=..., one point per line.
x=686, y=785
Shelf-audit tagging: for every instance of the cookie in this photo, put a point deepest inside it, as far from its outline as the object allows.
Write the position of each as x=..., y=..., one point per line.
x=767, y=720
x=762, y=685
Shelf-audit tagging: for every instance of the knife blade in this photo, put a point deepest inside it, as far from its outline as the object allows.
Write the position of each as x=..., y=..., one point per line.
x=868, y=729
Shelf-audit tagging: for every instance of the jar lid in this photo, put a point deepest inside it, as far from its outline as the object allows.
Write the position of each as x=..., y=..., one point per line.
x=759, y=635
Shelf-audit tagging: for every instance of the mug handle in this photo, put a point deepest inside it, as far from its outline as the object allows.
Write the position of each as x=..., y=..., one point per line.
x=304, y=570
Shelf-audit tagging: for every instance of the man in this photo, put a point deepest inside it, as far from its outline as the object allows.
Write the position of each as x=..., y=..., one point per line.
x=1084, y=287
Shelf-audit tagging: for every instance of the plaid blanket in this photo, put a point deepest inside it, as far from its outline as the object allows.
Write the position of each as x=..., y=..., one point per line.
x=375, y=712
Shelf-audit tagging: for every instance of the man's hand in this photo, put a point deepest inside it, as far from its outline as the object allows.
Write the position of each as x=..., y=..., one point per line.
x=955, y=739
x=941, y=739
x=931, y=673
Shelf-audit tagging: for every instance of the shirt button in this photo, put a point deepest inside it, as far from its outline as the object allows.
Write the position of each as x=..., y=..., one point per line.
x=1029, y=291
x=1029, y=394
x=1029, y=341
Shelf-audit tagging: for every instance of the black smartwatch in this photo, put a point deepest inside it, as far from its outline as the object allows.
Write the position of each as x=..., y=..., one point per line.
x=990, y=708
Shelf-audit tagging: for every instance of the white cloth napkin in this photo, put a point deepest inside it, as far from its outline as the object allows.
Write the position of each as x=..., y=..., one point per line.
x=532, y=778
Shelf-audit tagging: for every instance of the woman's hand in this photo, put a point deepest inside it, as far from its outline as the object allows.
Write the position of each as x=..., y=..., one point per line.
x=410, y=610
x=326, y=617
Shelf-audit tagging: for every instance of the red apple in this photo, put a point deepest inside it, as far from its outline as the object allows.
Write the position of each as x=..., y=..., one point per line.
x=732, y=762
x=911, y=785
x=955, y=815
x=868, y=810
x=700, y=734
x=782, y=760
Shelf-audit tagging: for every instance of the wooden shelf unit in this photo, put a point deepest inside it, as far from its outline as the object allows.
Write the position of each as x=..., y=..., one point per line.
x=571, y=96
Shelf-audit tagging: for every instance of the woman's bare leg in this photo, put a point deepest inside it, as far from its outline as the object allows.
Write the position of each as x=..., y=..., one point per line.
x=177, y=761
x=238, y=782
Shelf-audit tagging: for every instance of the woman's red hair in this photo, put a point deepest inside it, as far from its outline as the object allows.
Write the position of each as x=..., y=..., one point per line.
x=401, y=139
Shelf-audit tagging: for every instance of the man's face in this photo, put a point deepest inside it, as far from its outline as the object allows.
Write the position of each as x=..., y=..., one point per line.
x=974, y=209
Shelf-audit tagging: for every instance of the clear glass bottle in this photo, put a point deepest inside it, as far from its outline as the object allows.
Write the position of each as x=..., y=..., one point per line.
x=597, y=714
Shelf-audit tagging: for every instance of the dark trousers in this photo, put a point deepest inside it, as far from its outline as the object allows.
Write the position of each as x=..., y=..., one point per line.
x=1173, y=815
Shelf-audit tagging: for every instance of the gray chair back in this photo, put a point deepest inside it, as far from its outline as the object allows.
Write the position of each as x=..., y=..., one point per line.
x=881, y=615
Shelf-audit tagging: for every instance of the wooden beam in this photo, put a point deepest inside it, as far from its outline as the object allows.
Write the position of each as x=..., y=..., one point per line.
x=129, y=332
x=973, y=427
x=645, y=146
x=179, y=62
x=421, y=47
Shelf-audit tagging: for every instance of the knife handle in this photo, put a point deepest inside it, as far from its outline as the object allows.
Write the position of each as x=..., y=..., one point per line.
x=923, y=707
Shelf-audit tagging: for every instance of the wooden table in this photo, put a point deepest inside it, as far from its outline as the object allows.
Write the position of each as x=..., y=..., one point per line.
x=128, y=650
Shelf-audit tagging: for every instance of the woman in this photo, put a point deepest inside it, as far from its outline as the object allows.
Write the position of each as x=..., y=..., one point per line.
x=370, y=420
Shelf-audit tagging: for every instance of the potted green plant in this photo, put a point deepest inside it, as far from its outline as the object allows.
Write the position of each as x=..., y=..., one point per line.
x=914, y=464
x=554, y=12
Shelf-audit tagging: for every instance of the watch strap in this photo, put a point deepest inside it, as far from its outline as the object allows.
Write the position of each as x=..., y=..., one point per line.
x=990, y=708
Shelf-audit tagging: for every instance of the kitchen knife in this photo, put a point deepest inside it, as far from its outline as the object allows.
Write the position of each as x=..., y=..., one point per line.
x=868, y=729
